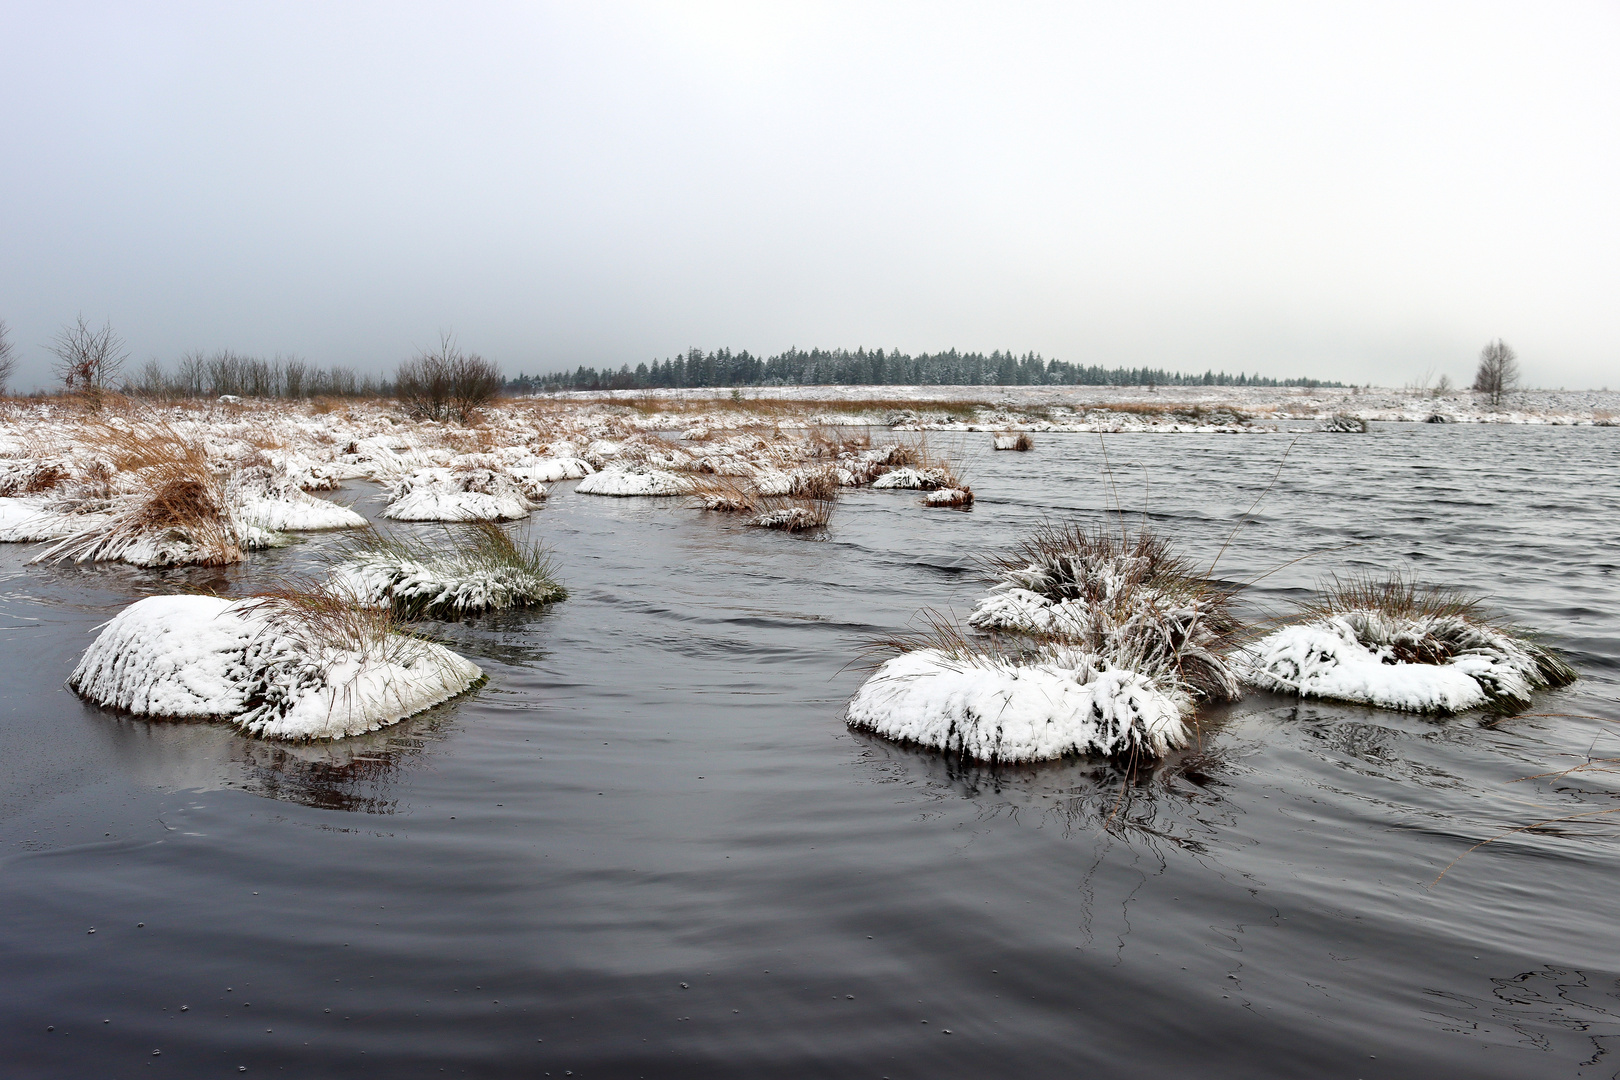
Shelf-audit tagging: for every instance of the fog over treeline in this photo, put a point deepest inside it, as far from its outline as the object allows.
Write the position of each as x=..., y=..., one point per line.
x=841, y=367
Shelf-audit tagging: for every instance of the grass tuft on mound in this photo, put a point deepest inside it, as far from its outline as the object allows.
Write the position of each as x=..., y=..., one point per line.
x=469, y=571
x=1128, y=598
x=1395, y=643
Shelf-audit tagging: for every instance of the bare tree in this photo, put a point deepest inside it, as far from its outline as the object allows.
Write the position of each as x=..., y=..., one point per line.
x=8, y=357
x=1498, y=370
x=87, y=360
x=446, y=383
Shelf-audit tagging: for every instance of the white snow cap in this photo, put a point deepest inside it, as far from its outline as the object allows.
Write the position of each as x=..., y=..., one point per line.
x=206, y=657
x=993, y=709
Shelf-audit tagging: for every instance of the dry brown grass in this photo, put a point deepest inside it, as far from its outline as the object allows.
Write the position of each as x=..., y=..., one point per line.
x=727, y=494
x=179, y=503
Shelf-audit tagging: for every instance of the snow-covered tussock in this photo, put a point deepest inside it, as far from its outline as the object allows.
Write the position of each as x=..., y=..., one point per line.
x=446, y=577
x=1131, y=600
x=909, y=478
x=265, y=495
x=633, y=479
x=204, y=657
x=992, y=708
x=950, y=496
x=1428, y=663
x=474, y=488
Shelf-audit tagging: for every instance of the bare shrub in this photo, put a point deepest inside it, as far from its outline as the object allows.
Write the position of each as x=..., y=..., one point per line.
x=446, y=383
x=8, y=357
x=88, y=360
x=1498, y=370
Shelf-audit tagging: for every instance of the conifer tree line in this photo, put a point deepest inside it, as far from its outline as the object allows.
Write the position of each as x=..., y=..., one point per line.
x=826, y=367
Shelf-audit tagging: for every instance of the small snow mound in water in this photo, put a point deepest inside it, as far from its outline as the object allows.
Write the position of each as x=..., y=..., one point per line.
x=465, y=493
x=948, y=497
x=549, y=470
x=206, y=657
x=789, y=519
x=1357, y=656
x=267, y=497
x=994, y=709
x=440, y=589
x=906, y=477
x=631, y=480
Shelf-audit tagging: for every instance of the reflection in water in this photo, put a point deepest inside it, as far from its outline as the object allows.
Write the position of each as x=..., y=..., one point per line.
x=353, y=774
x=1175, y=800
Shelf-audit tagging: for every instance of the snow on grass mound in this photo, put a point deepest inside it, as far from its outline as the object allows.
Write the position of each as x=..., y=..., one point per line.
x=996, y=709
x=267, y=496
x=183, y=520
x=950, y=496
x=471, y=489
x=449, y=577
x=633, y=479
x=1097, y=643
x=1397, y=645
x=279, y=668
x=1130, y=599
x=908, y=478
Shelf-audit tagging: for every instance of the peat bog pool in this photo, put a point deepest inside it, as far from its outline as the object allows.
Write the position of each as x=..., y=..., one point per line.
x=650, y=847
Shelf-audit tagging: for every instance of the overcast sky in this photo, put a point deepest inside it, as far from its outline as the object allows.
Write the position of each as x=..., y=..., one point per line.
x=1359, y=191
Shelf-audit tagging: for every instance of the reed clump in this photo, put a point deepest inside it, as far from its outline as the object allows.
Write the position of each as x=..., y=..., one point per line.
x=792, y=513
x=170, y=506
x=1124, y=596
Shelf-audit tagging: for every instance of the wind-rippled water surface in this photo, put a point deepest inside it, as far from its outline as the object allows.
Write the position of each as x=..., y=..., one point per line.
x=650, y=847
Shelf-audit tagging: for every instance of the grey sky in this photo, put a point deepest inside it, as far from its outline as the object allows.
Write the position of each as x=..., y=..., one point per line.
x=1359, y=191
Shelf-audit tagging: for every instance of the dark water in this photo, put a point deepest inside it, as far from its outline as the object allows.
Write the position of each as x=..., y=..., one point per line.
x=651, y=848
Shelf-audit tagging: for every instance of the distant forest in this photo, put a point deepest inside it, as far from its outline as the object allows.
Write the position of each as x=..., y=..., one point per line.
x=826, y=367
